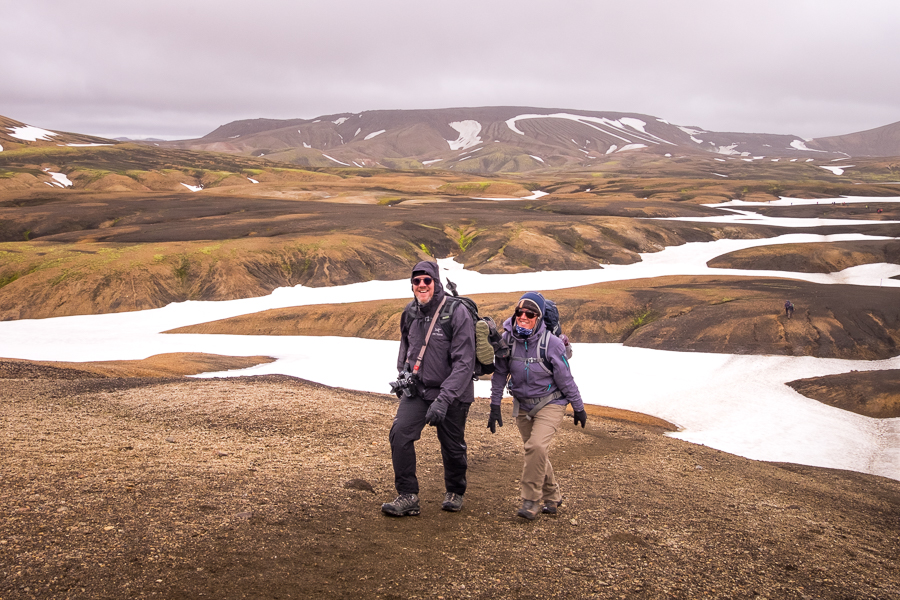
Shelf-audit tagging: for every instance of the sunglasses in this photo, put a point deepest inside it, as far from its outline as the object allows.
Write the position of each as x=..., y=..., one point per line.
x=422, y=280
x=526, y=313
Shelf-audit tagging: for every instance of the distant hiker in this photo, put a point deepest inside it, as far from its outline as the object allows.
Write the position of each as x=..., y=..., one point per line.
x=435, y=387
x=788, y=309
x=541, y=387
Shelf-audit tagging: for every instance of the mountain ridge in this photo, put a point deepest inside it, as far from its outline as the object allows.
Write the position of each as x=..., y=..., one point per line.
x=510, y=138
x=484, y=140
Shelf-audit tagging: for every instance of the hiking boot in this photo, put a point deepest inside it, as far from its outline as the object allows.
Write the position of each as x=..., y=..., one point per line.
x=405, y=505
x=550, y=507
x=529, y=510
x=452, y=502
x=484, y=352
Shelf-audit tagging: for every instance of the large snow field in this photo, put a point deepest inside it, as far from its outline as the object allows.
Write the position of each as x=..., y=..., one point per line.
x=735, y=403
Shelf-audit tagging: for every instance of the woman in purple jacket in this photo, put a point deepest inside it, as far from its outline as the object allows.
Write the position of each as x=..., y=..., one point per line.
x=541, y=385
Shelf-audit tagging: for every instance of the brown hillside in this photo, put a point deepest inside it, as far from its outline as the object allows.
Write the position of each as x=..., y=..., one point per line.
x=871, y=393
x=880, y=141
x=826, y=257
x=701, y=314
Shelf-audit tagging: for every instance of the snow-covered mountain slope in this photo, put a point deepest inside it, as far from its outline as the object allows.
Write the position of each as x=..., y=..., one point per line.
x=487, y=139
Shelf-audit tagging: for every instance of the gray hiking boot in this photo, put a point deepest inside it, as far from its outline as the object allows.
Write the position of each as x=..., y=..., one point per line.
x=550, y=507
x=405, y=505
x=529, y=510
x=452, y=502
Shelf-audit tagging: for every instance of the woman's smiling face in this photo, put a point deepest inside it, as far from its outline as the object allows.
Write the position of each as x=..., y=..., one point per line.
x=524, y=321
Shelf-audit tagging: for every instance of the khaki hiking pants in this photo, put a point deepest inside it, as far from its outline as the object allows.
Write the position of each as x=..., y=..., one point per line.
x=538, y=483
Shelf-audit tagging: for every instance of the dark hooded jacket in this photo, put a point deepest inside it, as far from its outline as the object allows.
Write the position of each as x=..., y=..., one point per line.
x=446, y=370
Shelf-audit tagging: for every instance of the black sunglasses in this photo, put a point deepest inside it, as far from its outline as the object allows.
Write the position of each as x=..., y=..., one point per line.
x=422, y=280
x=528, y=314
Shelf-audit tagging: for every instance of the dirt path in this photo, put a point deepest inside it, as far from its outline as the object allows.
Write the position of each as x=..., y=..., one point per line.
x=259, y=488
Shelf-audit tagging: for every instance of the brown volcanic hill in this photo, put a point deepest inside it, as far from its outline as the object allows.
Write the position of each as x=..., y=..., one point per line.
x=881, y=141
x=15, y=135
x=485, y=139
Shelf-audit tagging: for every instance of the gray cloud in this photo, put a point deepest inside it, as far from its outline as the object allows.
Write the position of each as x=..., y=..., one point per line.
x=808, y=67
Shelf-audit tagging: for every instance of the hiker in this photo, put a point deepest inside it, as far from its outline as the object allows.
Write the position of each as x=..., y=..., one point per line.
x=788, y=309
x=435, y=388
x=541, y=387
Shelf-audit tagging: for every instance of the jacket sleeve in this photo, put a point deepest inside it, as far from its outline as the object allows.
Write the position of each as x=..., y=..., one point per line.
x=462, y=355
x=562, y=373
x=404, y=344
x=499, y=379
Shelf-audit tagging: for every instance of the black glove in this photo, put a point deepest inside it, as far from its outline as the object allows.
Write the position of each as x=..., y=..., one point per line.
x=580, y=417
x=495, y=419
x=436, y=413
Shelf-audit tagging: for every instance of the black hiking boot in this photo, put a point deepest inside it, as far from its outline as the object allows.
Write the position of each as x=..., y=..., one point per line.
x=529, y=510
x=405, y=505
x=452, y=502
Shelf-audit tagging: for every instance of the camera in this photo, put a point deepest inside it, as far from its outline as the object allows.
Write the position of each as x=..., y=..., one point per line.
x=405, y=386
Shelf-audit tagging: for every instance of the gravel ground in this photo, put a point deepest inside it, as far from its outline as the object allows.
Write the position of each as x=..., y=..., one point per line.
x=270, y=487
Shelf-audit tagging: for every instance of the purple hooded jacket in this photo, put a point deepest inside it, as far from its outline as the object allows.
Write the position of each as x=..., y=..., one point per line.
x=446, y=371
x=533, y=380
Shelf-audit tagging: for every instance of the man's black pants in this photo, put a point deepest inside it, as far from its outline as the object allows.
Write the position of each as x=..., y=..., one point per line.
x=451, y=432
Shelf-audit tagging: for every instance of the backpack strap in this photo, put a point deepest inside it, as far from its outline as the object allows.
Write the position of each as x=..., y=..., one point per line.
x=418, y=364
x=542, y=349
x=533, y=405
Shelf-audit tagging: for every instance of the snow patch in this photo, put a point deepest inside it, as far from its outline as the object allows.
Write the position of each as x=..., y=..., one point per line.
x=633, y=123
x=537, y=158
x=431, y=162
x=800, y=145
x=336, y=160
x=60, y=179
x=252, y=180
x=357, y=132
x=612, y=149
x=340, y=121
x=86, y=145
x=601, y=124
x=31, y=134
x=305, y=145
x=691, y=131
x=836, y=170
x=373, y=134
x=627, y=147
x=193, y=188
x=727, y=150
x=468, y=134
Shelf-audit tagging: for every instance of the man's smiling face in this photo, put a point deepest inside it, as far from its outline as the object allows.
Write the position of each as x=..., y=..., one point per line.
x=423, y=288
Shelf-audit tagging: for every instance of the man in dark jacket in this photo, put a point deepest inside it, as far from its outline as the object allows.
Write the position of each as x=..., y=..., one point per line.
x=442, y=394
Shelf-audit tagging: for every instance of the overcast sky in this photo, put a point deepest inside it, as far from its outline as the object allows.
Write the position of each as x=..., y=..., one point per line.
x=179, y=69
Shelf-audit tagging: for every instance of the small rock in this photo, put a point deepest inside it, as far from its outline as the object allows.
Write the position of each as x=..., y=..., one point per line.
x=220, y=453
x=573, y=522
x=359, y=484
x=171, y=440
x=244, y=515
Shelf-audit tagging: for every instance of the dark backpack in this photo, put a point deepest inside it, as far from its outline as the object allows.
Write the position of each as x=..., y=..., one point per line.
x=488, y=340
